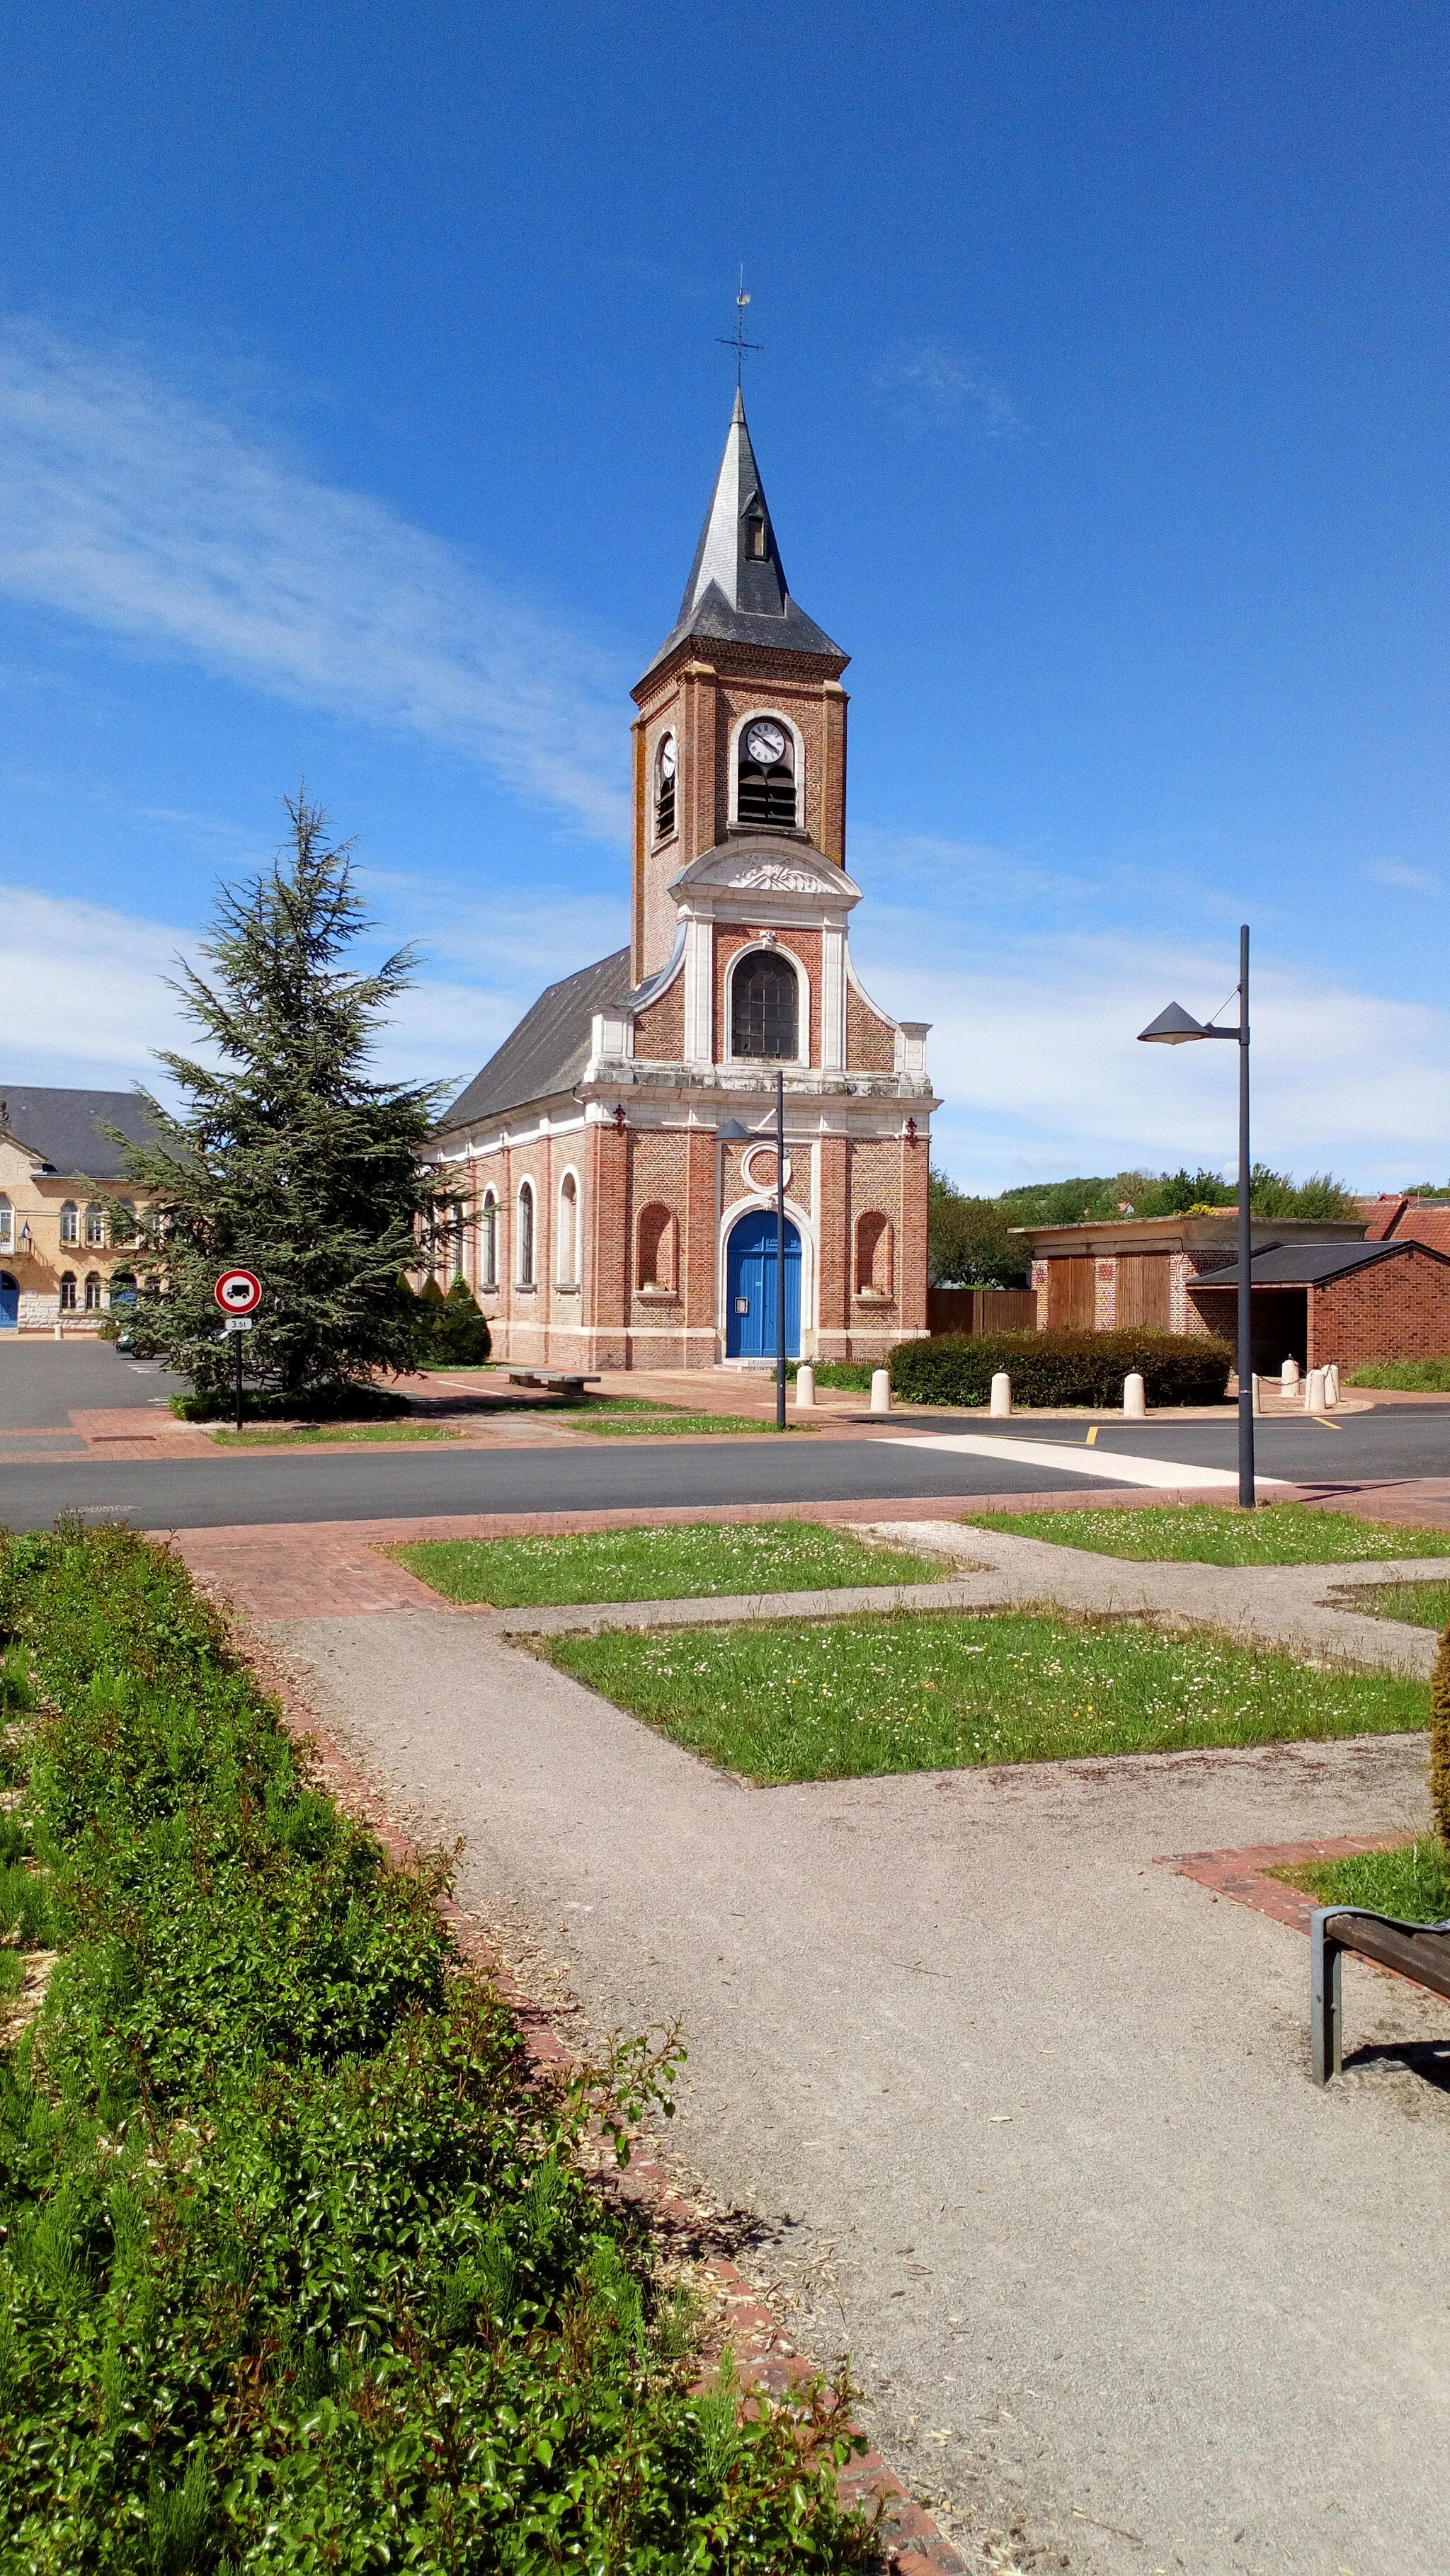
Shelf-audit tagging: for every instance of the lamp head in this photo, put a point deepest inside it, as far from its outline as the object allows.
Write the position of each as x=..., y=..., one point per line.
x=731, y=1129
x=1172, y=1027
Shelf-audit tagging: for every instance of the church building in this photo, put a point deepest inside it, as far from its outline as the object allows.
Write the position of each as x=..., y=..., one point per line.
x=615, y=1158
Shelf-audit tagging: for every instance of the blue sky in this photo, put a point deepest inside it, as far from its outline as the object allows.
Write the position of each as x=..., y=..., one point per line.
x=360, y=396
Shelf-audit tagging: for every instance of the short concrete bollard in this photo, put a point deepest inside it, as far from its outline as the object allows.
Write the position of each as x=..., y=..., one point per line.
x=1001, y=1393
x=1314, y=1392
x=881, y=1391
x=60, y=1332
x=1256, y=1398
x=1331, y=1383
x=1289, y=1376
x=1135, y=1400
x=805, y=1387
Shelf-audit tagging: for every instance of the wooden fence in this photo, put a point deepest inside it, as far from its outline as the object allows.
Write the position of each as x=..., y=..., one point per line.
x=981, y=1310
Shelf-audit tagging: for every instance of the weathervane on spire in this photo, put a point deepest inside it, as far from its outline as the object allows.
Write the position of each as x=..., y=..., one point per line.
x=737, y=340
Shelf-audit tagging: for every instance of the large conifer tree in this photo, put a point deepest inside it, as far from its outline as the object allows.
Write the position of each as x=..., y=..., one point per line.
x=289, y=1158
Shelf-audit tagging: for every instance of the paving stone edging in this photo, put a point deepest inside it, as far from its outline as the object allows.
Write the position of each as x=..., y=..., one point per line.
x=911, y=2541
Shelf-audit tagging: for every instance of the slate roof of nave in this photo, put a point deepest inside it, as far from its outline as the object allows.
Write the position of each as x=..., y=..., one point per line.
x=549, y=1049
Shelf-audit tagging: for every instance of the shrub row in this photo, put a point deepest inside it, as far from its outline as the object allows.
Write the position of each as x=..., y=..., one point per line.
x=297, y=2269
x=1061, y=1368
x=1405, y=1377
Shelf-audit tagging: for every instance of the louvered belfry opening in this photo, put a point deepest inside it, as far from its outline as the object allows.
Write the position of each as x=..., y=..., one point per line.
x=767, y=795
x=763, y=1008
x=665, y=760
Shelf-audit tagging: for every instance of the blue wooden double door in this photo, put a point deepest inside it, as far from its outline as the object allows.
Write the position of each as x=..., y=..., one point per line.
x=750, y=1288
x=9, y=1302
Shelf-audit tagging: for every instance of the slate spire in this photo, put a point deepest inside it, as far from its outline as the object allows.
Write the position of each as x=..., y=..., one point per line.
x=737, y=587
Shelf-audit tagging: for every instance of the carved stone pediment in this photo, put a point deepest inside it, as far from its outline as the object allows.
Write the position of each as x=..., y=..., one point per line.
x=765, y=867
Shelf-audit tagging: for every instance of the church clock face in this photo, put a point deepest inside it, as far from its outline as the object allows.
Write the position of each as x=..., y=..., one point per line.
x=765, y=743
x=667, y=758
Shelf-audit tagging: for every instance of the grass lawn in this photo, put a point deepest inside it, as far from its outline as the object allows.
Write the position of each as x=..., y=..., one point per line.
x=1424, y=1605
x=1412, y=1883
x=684, y=1564
x=1211, y=1534
x=312, y=1435
x=929, y=1690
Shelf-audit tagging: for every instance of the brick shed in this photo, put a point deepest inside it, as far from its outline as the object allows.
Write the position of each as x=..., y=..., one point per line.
x=1143, y=1272
x=1347, y=1302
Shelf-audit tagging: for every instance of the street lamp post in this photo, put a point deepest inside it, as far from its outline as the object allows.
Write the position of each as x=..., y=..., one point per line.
x=1174, y=1027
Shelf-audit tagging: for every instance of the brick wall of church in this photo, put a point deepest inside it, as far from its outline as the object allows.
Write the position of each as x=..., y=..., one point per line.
x=659, y=1032
x=870, y=1040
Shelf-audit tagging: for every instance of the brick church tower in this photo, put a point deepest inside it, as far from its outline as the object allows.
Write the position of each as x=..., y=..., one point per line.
x=603, y=1219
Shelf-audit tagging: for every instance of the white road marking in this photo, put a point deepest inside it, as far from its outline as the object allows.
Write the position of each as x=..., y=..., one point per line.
x=1113, y=1464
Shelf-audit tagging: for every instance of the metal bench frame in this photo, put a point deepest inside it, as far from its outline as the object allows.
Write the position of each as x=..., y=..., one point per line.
x=1420, y=1951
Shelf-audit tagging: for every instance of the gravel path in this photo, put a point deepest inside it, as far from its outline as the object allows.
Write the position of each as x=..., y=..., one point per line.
x=1027, y=2118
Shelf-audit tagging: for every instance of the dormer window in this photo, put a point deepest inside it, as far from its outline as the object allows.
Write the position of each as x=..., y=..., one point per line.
x=755, y=536
x=665, y=759
x=766, y=785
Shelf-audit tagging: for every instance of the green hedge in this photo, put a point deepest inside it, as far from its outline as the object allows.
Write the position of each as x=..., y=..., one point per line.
x=855, y=1374
x=1061, y=1368
x=298, y=2269
x=359, y=1402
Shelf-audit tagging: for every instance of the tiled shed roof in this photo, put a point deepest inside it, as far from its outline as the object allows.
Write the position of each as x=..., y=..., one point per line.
x=1310, y=1265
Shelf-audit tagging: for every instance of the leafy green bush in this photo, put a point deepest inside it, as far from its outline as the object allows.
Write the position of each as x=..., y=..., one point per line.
x=298, y=2268
x=350, y=1402
x=1061, y=1368
x=1406, y=1377
x=458, y=1334
x=855, y=1374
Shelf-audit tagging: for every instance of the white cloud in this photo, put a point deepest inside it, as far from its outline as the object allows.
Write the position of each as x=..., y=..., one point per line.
x=936, y=388
x=1389, y=872
x=1036, y=1056
x=88, y=998
x=128, y=504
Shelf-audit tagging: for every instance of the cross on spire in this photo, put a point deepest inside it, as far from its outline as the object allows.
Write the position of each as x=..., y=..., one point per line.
x=737, y=340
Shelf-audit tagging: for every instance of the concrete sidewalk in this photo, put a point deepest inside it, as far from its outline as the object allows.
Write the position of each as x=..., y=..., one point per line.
x=1027, y=2118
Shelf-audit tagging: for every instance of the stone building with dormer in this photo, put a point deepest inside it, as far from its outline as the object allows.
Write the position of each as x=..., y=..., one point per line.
x=610, y=1213
x=61, y=1259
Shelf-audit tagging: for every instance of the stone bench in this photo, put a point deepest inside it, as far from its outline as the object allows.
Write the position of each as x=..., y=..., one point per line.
x=560, y=1381
x=1420, y=1951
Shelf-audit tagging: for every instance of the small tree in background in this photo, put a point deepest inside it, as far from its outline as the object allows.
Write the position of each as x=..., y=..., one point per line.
x=968, y=1244
x=288, y=1159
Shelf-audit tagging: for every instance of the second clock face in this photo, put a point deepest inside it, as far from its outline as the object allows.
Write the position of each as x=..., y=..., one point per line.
x=667, y=758
x=765, y=743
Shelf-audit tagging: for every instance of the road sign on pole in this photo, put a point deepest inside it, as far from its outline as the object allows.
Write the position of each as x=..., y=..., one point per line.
x=239, y=1294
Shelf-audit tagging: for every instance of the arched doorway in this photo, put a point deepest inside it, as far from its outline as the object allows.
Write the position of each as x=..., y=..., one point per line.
x=9, y=1303
x=750, y=1288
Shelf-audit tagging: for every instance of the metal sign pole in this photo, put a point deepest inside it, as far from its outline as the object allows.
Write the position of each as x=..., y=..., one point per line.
x=1247, y=1496
x=237, y=1347
x=780, y=1251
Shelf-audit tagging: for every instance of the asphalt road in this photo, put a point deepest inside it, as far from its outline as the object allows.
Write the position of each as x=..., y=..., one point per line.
x=395, y=1483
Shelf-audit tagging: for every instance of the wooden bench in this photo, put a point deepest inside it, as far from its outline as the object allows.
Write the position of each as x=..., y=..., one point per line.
x=1417, y=1950
x=562, y=1381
